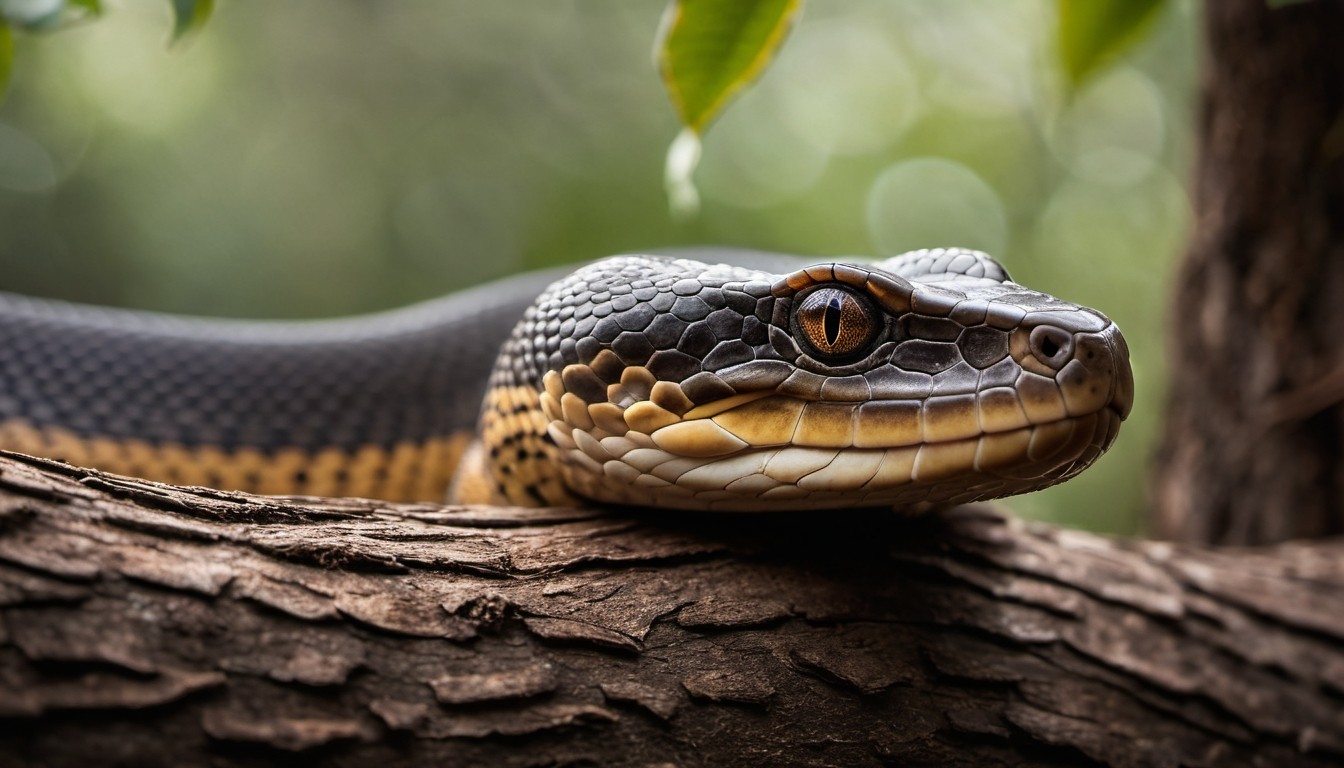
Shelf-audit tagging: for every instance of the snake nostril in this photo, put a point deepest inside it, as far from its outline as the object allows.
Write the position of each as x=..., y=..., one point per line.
x=1052, y=346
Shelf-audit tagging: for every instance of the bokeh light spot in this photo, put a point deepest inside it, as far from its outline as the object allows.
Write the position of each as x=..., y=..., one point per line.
x=930, y=202
x=1114, y=132
x=25, y=165
x=752, y=161
x=844, y=88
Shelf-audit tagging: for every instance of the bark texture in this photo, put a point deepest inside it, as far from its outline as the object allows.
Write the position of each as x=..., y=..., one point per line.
x=1254, y=443
x=151, y=625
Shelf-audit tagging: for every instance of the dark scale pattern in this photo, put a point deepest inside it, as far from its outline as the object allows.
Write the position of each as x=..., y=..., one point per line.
x=983, y=346
x=926, y=356
x=929, y=328
x=728, y=353
x=410, y=374
x=633, y=348
x=698, y=340
x=670, y=316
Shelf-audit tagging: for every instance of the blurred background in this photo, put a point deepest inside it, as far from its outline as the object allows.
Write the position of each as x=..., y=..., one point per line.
x=328, y=157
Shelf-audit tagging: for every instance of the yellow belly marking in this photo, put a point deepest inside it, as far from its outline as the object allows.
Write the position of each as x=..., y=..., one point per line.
x=409, y=471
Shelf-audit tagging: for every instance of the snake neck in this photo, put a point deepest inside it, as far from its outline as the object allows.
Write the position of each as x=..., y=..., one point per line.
x=513, y=460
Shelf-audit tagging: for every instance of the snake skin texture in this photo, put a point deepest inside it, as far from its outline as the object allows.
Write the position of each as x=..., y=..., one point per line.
x=377, y=406
x=676, y=383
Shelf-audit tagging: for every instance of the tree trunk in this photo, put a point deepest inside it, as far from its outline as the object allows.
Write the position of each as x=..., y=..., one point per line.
x=151, y=625
x=1254, y=443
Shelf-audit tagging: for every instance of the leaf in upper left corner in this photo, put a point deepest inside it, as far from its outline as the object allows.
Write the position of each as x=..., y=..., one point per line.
x=708, y=50
x=189, y=16
x=1092, y=33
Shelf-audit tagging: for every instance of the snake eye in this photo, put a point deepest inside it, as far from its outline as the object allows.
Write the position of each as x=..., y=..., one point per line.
x=835, y=322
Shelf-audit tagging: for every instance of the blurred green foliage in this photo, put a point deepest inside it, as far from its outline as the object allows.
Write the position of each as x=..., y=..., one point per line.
x=190, y=16
x=1092, y=33
x=327, y=157
x=6, y=57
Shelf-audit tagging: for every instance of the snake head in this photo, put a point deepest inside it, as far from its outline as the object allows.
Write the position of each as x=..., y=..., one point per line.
x=925, y=380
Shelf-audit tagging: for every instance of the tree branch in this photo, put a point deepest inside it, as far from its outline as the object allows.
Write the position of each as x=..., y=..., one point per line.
x=142, y=623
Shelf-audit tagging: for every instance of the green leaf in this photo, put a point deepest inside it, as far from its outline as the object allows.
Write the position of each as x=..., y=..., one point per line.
x=1092, y=33
x=6, y=58
x=189, y=16
x=708, y=50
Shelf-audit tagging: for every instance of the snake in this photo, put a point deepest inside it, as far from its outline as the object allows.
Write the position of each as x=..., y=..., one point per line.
x=701, y=379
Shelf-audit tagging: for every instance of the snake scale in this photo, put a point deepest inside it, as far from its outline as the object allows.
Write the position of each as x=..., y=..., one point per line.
x=678, y=381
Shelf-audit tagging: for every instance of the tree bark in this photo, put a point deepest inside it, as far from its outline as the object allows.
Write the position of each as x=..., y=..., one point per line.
x=151, y=625
x=1254, y=435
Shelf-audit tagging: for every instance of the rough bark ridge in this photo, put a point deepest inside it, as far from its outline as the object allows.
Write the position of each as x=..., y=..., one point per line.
x=1254, y=444
x=150, y=625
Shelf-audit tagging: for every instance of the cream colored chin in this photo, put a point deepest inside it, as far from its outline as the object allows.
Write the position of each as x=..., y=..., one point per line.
x=633, y=469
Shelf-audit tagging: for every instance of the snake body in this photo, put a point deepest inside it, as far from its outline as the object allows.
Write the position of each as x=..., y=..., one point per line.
x=926, y=379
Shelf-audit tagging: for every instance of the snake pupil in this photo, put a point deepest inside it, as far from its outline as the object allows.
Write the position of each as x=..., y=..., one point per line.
x=832, y=320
